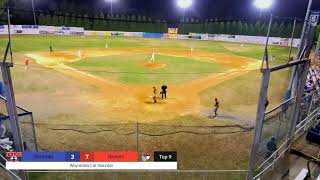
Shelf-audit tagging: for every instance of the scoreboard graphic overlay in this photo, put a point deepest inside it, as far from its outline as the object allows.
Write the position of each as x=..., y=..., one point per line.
x=122, y=160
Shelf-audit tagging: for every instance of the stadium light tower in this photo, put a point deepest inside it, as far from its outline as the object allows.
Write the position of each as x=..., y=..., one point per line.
x=34, y=14
x=111, y=5
x=184, y=4
x=263, y=4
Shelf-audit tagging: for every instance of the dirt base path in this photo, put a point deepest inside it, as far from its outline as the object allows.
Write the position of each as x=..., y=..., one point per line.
x=134, y=102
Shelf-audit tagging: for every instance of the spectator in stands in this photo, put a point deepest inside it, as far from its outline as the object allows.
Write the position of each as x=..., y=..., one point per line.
x=2, y=91
x=2, y=130
x=313, y=80
x=271, y=147
x=266, y=104
x=2, y=127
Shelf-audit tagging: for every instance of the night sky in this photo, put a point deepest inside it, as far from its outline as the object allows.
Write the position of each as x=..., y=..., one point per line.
x=204, y=9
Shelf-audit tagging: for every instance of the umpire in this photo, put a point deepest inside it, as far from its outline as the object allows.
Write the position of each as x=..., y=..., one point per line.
x=164, y=91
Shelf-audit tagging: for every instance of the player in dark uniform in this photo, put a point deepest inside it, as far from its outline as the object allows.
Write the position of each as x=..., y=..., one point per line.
x=164, y=91
x=51, y=49
x=216, y=107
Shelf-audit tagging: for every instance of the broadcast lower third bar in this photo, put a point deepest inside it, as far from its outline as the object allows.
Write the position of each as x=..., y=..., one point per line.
x=91, y=161
x=91, y=166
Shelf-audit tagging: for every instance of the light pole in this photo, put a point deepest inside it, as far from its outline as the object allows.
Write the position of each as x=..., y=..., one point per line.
x=263, y=4
x=111, y=5
x=34, y=14
x=184, y=4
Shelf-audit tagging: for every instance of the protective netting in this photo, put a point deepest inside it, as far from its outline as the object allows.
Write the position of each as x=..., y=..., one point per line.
x=275, y=133
x=195, y=145
x=25, y=119
x=276, y=125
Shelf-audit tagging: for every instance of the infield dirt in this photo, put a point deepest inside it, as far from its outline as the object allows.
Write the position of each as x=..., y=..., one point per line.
x=133, y=101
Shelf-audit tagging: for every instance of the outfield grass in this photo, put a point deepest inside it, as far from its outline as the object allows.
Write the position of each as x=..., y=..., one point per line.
x=29, y=43
x=134, y=70
x=240, y=95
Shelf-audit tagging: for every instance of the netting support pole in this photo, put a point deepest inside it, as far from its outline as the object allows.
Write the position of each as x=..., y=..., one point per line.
x=317, y=51
x=292, y=38
x=34, y=133
x=138, y=140
x=259, y=122
x=302, y=70
x=291, y=88
x=11, y=107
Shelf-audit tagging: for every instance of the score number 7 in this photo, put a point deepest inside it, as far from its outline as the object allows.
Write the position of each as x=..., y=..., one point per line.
x=87, y=156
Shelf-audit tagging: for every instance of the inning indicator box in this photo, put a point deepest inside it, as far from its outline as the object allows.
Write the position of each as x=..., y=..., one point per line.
x=125, y=160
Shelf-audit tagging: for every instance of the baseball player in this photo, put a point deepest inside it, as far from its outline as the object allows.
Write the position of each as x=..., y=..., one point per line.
x=27, y=64
x=79, y=53
x=155, y=93
x=153, y=57
x=216, y=107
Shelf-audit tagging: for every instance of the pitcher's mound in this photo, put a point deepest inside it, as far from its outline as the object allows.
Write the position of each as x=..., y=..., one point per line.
x=154, y=65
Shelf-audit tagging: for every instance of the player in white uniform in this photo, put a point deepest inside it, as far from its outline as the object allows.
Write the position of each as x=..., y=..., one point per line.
x=155, y=93
x=79, y=53
x=153, y=57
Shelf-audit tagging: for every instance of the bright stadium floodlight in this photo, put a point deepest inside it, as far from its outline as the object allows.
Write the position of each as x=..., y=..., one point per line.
x=184, y=4
x=263, y=4
x=111, y=4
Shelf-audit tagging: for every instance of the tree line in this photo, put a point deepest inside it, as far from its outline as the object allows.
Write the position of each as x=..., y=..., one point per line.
x=70, y=13
x=140, y=23
x=132, y=23
x=99, y=19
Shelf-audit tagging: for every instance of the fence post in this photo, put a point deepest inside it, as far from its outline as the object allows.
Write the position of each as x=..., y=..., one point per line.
x=311, y=103
x=259, y=123
x=138, y=141
x=34, y=133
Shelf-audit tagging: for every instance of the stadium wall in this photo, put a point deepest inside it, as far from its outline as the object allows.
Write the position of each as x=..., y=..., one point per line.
x=34, y=30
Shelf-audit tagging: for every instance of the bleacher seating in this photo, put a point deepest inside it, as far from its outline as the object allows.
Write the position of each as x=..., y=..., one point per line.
x=313, y=135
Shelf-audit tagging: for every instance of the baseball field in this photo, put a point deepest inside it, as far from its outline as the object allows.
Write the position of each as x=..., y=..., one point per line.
x=89, y=83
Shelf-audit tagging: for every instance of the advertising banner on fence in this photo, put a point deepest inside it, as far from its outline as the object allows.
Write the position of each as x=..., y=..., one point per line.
x=31, y=29
x=133, y=34
x=117, y=33
x=170, y=36
x=152, y=35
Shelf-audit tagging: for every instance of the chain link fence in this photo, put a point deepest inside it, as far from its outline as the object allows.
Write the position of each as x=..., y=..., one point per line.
x=198, y=147
x=27, y=130
x=276, y=126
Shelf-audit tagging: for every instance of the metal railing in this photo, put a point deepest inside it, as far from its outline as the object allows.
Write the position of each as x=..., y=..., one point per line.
x=308, y=116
